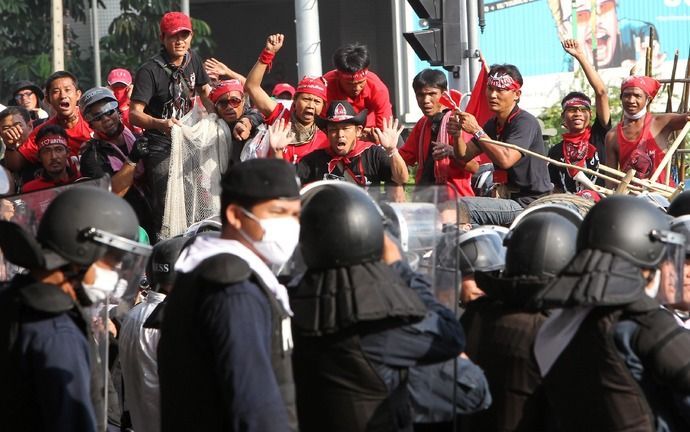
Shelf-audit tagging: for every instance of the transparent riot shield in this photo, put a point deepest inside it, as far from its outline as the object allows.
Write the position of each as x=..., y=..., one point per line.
x=27, y=210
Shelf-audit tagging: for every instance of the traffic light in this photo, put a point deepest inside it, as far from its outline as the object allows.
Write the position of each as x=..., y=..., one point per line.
x=439, y=43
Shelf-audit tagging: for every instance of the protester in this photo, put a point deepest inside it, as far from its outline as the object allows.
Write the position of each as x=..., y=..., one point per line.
x=283, y=93
x=63, y=92
x=350, y=159
x=115, y=151
x=47, y=360
x=165, y=88
x=15, y=128
x=219, y=71
x=605, y=340
x=228, y=313
x=501, y=329
x=583, y=145
x=120, y=83
x=139, y=345
x=57, y=167
x=232, y=106
x=641, y=138
x=351, y=80
x=528, y=177
x=309, y=101
x=29, y=96
x=429, y=146
x=350, y=366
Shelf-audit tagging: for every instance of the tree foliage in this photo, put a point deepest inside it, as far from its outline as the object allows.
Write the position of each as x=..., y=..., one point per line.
x=26, y=45
x=133, y=37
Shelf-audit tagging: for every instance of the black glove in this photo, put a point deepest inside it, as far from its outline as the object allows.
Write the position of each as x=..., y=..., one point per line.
x=139, y=150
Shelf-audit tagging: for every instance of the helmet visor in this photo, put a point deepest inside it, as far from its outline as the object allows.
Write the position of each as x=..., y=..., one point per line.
x=672, y=268
x=481, y=250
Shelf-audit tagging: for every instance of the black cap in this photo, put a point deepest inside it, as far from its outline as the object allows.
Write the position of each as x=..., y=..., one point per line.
x=21, y=85
x=258, y=180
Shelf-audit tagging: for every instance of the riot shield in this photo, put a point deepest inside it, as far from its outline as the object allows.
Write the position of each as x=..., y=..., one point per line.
x=27, y=210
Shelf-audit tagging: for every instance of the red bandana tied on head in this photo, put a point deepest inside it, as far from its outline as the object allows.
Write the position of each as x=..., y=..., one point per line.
x=225, y=87
x=503, y=82
x=577, y=149
x=354, y=77
x=314, y=86
x=52, y=139
x=576, y=102
x=647, y=84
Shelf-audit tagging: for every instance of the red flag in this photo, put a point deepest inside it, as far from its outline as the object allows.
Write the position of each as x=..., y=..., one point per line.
x=479, y=105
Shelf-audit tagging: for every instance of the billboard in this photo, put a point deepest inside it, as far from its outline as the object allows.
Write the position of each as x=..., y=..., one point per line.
x=614, y=33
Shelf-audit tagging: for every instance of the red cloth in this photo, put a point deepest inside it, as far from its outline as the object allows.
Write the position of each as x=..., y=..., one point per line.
x=76, y=136
x=374, y=97
x=41, y=182
x=577, y=149
x=294, y=153
x=648, y=84
x=357, y=150
x=643, y=155
x=225, y=87
x=313, y=86
x=119, y=75
x=412, y=154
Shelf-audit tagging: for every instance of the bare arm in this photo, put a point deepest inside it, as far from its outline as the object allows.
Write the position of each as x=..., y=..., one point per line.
x=464, y=151
x=139, y=118
x=502, y=157
x=601, y=97
x=204, y=91
x=123, y=180
x=611, y=143
x=262, y=101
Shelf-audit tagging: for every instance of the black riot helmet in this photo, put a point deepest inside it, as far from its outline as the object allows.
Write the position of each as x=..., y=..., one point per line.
x=627, y=227
x=540, y=245
x=340, y=226
x=680, y=205
x=478, y=250
x=80, y=225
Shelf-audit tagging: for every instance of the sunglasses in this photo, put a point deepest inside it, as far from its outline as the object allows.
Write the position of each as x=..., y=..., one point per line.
x=602, y=8
x=23, y=95
x=233, y=102
x=99, y=116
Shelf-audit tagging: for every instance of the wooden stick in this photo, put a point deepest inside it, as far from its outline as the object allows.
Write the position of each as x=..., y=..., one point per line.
x=650, y=48
x=625, y=183
x=669, y=101
x=669, y=152
x=639, y=183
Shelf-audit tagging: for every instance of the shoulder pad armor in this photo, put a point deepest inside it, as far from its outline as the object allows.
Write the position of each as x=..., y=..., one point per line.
x=224, y=269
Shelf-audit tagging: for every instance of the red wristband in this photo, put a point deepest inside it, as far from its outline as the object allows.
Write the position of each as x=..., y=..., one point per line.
x=266, y=58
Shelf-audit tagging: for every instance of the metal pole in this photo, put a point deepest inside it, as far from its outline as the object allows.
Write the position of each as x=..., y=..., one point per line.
x=473, y=40
x=184, y=7
x=308, y=38
x=96, y=45
x=459, y=79
x=57, y=31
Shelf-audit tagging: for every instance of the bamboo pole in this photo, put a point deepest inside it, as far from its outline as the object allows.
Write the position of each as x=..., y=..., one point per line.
x=639, y=184
x=669, y=152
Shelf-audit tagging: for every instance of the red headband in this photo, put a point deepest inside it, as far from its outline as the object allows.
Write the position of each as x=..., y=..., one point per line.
x=357, y=76
x=52, y=140
x=576, y=102
x=226, y=87
x=503, y=82
x=647, y=84
x=313, y=86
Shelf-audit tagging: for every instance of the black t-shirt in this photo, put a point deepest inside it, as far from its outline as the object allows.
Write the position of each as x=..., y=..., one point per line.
x=94, y=163
x=529, y=175
x=374, y=164
x=560, y=177
x=152, y=84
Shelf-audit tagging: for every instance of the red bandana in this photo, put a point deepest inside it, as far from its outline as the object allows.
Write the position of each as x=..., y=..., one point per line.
x=357, y=150
x=52, y=140
x=354, y=77
x=577, y=149
x=503, y=82
x=647, y=84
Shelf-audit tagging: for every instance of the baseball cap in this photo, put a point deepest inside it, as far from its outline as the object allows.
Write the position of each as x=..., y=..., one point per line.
x=175, y=22
x=283, y=88
x=119, y=75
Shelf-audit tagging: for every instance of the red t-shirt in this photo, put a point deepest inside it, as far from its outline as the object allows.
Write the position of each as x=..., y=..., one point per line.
x=374, y=97
x=643, y=155
x=76, y=136
x=294, y=153
x=412, y=154
x=41, y=182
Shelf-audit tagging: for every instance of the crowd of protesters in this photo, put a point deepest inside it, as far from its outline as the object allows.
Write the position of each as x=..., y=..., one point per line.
x=298, y=307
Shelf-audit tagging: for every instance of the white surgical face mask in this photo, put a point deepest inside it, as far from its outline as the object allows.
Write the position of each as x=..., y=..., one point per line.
x=281, y=235
x=103, y=284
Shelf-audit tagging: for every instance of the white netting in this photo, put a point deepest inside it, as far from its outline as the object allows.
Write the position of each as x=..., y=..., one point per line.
x=199, y=155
